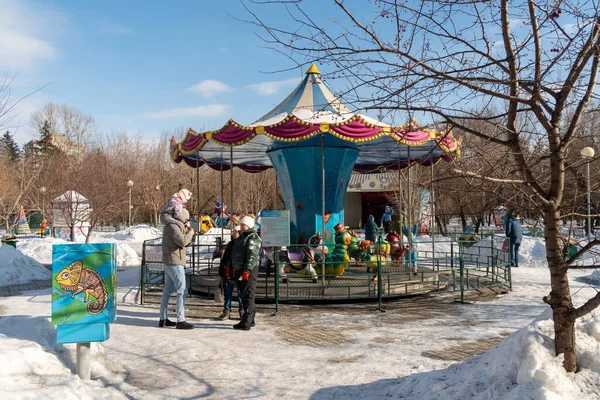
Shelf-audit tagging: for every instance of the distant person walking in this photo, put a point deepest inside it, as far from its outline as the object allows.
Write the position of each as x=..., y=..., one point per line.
x=245, y=258
x=175, y=237
x=514, y=233
x=371, y=229
x=386, y=219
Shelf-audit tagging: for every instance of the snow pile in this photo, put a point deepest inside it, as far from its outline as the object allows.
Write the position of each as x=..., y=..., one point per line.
x=32, y=366
x=38, y=248
x=535, y=250
x=19, y=269
x=134, y=236
x=41, y=249
x=593, y=279
x=523, y=366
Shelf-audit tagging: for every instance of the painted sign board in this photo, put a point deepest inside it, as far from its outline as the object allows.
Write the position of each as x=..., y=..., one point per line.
x=275, y=227
x=84, y=288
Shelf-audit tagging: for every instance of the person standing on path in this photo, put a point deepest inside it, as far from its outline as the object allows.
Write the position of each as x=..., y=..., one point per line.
x=245, y=257
x=175, y=237
x=371, y=229
x=514, y=232
x=386, y=220
x=226, y=275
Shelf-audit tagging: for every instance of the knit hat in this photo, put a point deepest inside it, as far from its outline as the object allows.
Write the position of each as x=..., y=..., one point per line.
x=184, y=194
x=248, y=221
x=237, y=228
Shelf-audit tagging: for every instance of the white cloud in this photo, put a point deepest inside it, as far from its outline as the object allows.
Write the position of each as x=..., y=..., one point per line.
x=223, y=49
x=571, y=29
x=24, y=32
x=209, y=87
x=515, y=23
x=269, y=88
x=209, y=110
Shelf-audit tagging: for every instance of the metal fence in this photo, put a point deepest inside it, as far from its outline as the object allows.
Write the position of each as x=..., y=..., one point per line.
x=451, y=263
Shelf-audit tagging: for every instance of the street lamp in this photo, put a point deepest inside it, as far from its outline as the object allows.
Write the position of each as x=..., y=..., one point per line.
x=43, y=192
x=129, y=185
x=588, y=153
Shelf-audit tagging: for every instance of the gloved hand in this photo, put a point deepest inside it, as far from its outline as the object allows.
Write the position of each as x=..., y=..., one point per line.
x=245, y=275
x=228, y=272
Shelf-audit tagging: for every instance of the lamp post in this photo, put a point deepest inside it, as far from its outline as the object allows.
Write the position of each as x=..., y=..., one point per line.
x=588, y=153
x=43, y=192
x=129, y=185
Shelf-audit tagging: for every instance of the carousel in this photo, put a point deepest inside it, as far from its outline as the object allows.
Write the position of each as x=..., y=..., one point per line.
x=315, y=143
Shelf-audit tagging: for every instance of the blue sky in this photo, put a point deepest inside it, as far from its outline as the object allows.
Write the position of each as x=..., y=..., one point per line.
x=149, y=66
x=140, y=66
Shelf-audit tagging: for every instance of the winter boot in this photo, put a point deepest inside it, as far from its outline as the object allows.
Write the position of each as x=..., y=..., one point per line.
x=166, y=322
x=241, y=315
x=241, y=327
x=184, y=325
x=225, y=315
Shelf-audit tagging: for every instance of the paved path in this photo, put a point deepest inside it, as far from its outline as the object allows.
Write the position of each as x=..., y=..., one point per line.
x=14, y=290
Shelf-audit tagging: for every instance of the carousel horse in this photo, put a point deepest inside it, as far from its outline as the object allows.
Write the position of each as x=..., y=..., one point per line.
x=300, y=261
x=206, y=223
x=337, y=261
x=396, y=251
x=411, y=254
x=358, y=249
x=380, y=252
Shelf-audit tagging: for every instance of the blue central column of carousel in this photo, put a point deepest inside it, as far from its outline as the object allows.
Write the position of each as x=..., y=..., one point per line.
x=299, y=173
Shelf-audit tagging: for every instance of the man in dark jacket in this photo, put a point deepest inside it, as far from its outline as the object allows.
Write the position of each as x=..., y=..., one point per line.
x=245, y=257
x=175, y=237
x=226, y=275
x=514, y=233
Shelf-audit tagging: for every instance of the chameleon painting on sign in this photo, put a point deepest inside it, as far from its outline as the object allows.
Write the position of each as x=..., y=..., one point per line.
x=83, y=283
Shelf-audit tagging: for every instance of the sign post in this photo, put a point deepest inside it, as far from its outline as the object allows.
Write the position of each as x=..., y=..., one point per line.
x=275, y=232
x=84, y=289
x=275, y=228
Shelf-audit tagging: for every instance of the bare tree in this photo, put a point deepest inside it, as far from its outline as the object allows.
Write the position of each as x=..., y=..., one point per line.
x=534, y=61
x=79, y=128
x=16, y=180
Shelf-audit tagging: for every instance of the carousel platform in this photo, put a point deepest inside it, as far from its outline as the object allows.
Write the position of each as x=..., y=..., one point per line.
x=350, y=286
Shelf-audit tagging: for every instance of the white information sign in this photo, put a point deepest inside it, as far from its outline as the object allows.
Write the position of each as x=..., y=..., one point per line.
x=153, y=254
x=275, y=227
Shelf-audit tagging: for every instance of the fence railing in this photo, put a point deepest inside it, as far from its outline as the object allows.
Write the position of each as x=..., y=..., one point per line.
x=451, y=263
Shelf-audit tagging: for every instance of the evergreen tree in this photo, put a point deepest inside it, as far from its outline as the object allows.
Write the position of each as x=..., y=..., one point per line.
x=46, y=138
x=9, y=147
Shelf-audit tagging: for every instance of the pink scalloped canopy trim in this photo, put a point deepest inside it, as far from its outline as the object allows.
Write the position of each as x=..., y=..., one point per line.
x=292, y=129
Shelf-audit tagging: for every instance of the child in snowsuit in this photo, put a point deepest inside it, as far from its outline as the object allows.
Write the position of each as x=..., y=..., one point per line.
x=172, y=209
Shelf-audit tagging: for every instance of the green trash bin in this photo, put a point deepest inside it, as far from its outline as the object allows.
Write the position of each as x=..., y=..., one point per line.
x=10, y=240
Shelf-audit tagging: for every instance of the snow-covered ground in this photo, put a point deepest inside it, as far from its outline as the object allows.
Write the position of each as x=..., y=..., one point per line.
x=17, y=269
x=344, y=351
x=129, y=244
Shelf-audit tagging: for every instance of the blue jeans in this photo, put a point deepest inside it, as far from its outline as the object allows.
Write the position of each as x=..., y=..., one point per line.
x=514, y=253
x=174, y=282
x=229, y=297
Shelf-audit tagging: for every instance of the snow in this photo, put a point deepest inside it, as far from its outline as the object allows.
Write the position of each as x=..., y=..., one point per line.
x=18, y=269
x=317, y=352
x=129, y=244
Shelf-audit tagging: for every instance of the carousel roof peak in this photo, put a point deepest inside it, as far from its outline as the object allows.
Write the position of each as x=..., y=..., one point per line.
x=313, y=70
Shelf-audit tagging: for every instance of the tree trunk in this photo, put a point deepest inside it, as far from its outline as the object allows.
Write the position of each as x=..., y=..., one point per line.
x=560, y=296
x=72, y=234
x=463, y=219
x=441, y=225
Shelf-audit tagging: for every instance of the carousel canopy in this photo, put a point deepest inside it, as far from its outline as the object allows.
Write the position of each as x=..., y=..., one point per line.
x=312, y=113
